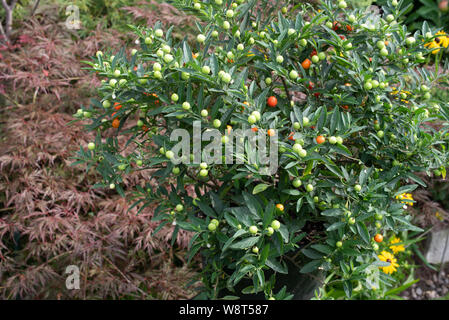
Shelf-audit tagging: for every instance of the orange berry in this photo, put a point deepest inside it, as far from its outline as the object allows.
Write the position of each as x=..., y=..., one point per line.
x=378, y=237
x=320, y=139
x=254, y=129
x=280, y=207
x=272, y=101
x=271, y=132
x=115, y=123
x=306, y=64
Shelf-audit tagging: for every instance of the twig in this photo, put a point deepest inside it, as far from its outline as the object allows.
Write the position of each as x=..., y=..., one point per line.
x=36, y=4
x=129, y=281
x=286, y=90
x=8, y=19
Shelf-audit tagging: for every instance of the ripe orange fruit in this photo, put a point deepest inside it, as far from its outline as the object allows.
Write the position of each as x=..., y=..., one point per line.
x=271, y=132
x=254, y=129
x=336, y=26
x=345, y=107
x=349, y=28
x=117, y=106
x=320, y=139
x=290, y=137
x=115, y=123
x=306, y=64
x=272, y=101
x=378, y=237
x=280, y=207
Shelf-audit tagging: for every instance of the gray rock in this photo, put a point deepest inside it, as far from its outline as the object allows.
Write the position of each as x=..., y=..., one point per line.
x=436, y=244
x=419, y=291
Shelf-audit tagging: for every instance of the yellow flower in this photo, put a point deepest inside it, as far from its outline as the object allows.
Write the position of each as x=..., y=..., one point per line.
x=406, y=196
x=441, y=41
x=398, y=248
x=386, y=256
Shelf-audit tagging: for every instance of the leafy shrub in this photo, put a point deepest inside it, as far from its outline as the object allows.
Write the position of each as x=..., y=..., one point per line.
x=50, y=217
x=345, y=95
x=436, y=13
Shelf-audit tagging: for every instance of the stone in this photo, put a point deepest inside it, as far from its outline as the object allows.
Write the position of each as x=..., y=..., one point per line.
x=419, y=291
x=437, y=242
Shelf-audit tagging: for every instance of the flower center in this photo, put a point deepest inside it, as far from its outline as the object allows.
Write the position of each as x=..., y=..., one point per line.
x=437, y=40
x=388, y=260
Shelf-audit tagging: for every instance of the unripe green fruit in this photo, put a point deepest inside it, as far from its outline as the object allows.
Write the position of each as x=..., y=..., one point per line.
x=410, y=41
x=342, y=5
x=186, y=105
x=205, y=69
x=217, y=123
x=297, y=182
x=112, y=82
x=226, y=25
x=275, y=224
x=321, y=56
x=157, y=75
x=256, y=114
x=296, y=125
x=357, y=187
x=351, y=221
x=212, y=227
x=91, y=146
x=204, y=113
x=169, y=154
x=368, y=86
x=279, y=59
x=297, y=148
x=159, y=33
x=106, y=104
x=252, y=119
x=175, y=170
x=378, y=216
x=309, y=188
x=255, y=250
x=201, y=38
x=293, y=74
x=185, y=76
x=380, y=134
x=204, y=172
x=332, y=140
x=302, y=153
x=253, y=229
x=179, y=207
x=305, y=121
x=315, y=59
x=270, y=231
x=174, y=97
x=339, y=244
x=112, y=186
